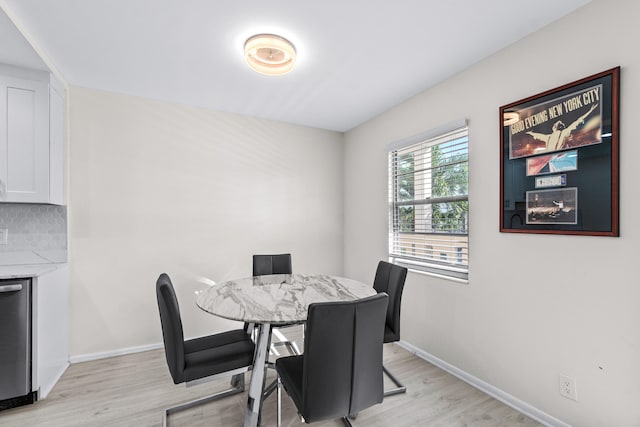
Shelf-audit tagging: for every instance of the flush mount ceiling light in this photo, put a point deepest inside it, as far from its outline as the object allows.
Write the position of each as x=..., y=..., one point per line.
x=269, y=54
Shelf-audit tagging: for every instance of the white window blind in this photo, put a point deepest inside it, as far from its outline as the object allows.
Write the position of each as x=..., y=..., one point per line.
x=428, y=201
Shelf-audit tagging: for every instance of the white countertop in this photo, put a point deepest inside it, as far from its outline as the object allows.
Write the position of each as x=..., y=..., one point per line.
x=30, y=263
x=27, y=270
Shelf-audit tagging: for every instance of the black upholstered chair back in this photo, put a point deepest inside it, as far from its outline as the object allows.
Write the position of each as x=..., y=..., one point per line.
x=172, y=333
x=342, y=371
x=272, y=264
x=390, y=279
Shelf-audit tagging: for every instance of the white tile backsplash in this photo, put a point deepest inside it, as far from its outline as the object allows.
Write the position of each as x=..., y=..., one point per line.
x=34, y=227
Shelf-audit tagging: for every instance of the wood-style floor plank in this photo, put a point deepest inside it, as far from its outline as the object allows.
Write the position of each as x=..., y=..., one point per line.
x=132, y=390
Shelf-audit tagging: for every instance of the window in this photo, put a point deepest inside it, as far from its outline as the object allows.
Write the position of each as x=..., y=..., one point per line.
x=429, y=201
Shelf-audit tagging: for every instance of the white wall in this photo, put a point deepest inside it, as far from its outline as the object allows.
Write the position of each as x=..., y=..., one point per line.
x=536, y=305
x=158, y=187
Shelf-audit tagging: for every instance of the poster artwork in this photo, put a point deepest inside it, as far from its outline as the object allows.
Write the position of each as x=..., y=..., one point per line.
x=557, y=206
x=552, y=163
x=570, y=121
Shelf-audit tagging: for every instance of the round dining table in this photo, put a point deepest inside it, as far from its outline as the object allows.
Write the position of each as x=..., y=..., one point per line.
x=273, y=300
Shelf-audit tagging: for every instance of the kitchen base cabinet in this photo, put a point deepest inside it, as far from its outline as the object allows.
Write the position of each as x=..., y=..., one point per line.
x=50, y=329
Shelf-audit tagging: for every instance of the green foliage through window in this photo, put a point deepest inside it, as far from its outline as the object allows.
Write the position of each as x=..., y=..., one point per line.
x=450, y=178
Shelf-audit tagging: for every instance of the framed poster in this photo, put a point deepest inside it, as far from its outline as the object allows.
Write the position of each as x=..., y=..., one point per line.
x=570, y=134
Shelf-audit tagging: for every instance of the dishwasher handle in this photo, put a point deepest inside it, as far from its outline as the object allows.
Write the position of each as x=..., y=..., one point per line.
x=10, y=288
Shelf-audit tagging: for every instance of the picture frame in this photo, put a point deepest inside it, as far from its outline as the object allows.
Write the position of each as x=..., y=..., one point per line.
x=558, y=147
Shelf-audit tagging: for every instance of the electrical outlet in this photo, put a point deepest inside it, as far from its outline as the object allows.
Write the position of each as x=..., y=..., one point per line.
x=568, y=387
x=4, y=235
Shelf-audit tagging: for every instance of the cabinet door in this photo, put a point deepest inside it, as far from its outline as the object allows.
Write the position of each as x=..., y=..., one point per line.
x=50, y=329
x=24, y=141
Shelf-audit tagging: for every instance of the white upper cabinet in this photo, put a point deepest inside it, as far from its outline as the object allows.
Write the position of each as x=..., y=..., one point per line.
x=31, y=137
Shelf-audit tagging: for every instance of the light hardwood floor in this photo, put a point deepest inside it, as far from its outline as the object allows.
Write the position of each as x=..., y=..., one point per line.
x=132, y=390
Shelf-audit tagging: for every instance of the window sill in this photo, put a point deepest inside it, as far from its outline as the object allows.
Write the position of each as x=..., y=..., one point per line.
x=440, y=276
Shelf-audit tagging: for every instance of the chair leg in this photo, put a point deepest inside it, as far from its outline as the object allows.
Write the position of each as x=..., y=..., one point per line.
x=346, y=422
x=400, y=388
x=296, y=350
x=278, y=402
x=237, y=381
x=291, y=346
x=237, y=388
x=269, y=389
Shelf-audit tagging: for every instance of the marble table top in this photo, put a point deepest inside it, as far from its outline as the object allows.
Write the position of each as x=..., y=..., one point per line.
x=278, y=298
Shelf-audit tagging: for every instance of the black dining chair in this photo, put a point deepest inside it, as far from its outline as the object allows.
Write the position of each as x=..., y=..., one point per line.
x=276, y=264
x=390, y=279
x=272, y=264
x=340, y=372
x=200, y=359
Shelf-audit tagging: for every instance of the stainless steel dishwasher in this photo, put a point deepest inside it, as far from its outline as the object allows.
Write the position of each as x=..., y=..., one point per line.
x=15, y=343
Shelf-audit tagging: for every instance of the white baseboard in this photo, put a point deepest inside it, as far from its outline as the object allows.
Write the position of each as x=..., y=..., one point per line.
x=120, y=352
x=507, y=399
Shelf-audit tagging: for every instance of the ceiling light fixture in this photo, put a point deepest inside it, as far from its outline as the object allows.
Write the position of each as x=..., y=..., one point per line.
x=270, y=54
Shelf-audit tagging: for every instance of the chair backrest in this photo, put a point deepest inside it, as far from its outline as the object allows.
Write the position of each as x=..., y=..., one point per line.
x=342, y=372
x=172, y=333
x=272, y=264
x=390, y=279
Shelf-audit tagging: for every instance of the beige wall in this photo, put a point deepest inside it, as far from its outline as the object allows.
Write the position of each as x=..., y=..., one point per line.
x=157, y=187
x=536, y=305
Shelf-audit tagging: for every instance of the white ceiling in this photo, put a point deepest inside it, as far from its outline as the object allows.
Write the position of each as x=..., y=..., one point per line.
x=357, y=58
x=15, y=49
